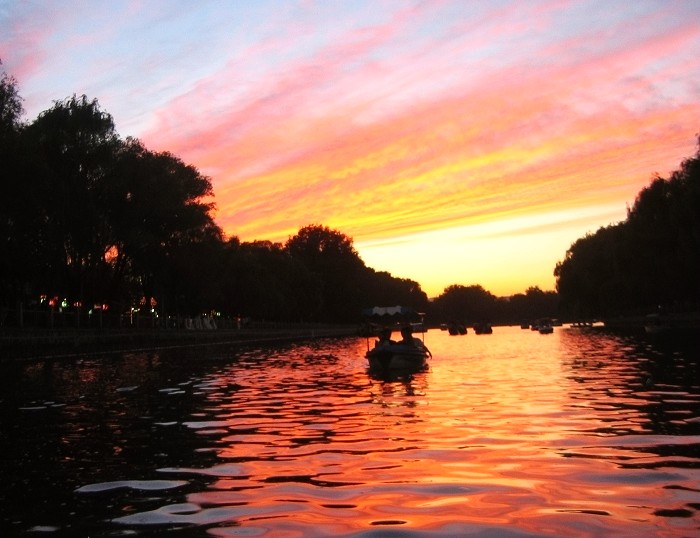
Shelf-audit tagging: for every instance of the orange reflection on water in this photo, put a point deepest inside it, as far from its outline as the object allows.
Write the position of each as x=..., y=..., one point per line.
x=568, y=434
x=503, y=432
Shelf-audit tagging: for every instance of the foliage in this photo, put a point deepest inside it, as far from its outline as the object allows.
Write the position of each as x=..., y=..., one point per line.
x=10, y=107
x=261, y=280
x=652, y=259
x=73, y=144
x=532, y=305
x=471, y=305
x=11, y=226
x=465, y=303
x=158, y=218
x=95, y=219
x=334, y=263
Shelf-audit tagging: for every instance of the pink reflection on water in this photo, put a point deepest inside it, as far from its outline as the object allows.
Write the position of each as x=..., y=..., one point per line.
x=517, y=433
x=568, y=434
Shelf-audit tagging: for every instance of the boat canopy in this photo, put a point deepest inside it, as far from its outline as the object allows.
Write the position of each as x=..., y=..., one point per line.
x=391, y=313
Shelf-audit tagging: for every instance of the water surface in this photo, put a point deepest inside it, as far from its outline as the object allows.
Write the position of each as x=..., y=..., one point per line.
x=577, y=433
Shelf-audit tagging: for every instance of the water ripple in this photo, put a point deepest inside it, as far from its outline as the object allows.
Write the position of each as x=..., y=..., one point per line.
x=576, y=434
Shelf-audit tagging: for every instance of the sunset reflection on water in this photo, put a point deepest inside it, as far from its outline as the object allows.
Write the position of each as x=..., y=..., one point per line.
x=577, y=433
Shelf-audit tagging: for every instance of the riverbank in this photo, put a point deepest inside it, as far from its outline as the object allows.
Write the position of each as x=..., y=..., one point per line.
x=37, y=344
x=659, y=323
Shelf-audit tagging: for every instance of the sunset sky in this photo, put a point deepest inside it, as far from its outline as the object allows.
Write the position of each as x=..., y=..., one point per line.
x=456, y=142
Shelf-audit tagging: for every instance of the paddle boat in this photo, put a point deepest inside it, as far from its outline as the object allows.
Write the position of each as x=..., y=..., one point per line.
x=544, y=326
x=483, y=328
x=455, y=328
x=409, y=353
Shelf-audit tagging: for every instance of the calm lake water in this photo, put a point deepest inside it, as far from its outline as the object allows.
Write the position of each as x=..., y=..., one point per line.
x=576, y=433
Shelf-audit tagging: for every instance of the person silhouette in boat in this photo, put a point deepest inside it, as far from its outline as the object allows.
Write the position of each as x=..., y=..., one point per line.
x=408, y=339
x=407, y=336
x=384, y=338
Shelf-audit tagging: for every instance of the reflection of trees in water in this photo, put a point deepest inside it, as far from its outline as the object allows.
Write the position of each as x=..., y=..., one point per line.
x=66, y=424
x=632, y=386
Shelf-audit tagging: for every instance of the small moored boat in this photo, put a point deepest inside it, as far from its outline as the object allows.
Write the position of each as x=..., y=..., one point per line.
x=456, y=327
x=544, y=326
x=483, y=328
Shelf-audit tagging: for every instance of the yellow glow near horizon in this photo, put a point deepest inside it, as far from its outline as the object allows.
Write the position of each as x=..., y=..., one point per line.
x=505, y=256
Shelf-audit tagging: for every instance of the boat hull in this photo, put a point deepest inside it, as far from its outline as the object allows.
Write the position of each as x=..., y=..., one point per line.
x=398, y=358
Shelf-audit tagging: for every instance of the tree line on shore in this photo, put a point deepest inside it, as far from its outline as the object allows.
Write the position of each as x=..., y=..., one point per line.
x=93, y=221
x=648, y=263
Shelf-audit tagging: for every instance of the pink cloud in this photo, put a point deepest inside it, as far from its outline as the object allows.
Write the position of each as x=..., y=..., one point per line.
x=385, y=171
x=409, y=122
x=20, y=57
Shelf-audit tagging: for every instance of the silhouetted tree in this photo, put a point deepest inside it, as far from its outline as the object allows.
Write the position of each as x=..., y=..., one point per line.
x=11, y=109
x=380, y=288
x=469, y=304
x=334, y=262
x=540, y=304
x=649, y=260
x=95, y=219
x=15, y=246
x=157, y=213
x=73, y=145
x=262, y=280
x=664, y=222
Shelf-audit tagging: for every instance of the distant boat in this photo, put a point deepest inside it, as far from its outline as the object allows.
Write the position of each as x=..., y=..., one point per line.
x=543, y=325
x=483, y=328
x=655, y=324
x=455, y=328
x=673, y=324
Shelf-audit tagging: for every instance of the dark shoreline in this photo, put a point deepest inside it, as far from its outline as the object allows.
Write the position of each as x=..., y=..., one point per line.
x=28, y=345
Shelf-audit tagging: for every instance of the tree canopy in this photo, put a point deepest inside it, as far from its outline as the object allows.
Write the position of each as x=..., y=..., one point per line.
x=92, y=218
x=473, y=305
x=651, y=259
